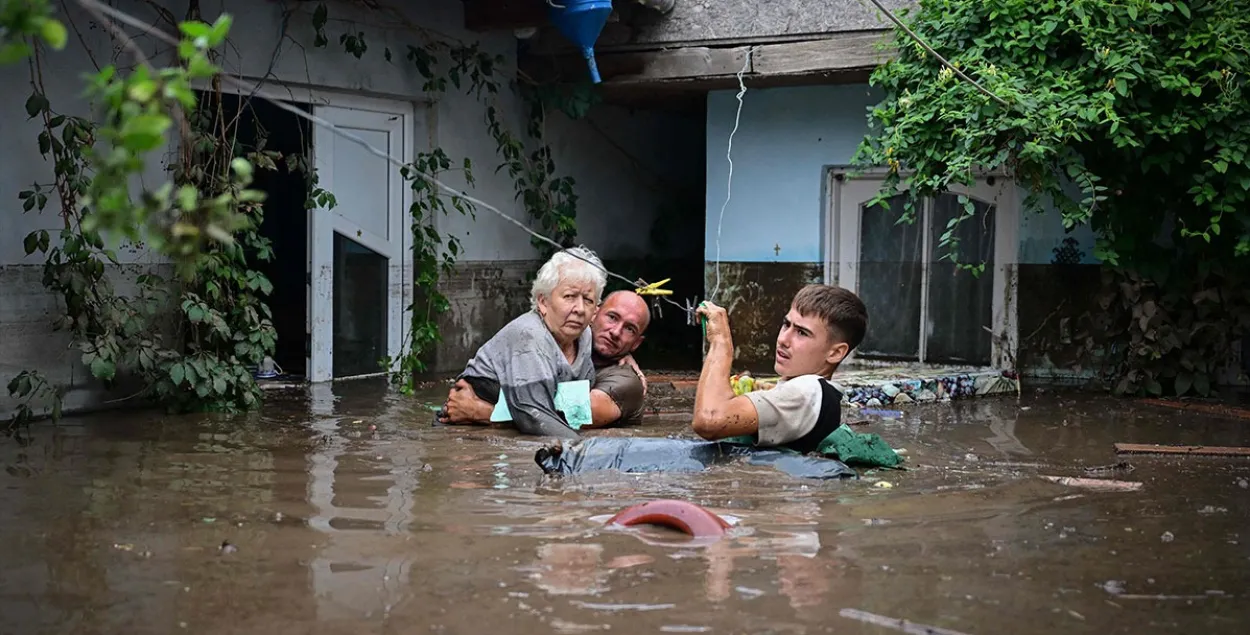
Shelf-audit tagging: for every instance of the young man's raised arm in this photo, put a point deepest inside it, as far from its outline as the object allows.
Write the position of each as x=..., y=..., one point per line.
x=718, y=414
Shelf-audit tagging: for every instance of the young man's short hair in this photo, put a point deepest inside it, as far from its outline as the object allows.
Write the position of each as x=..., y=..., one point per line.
x=841, y=310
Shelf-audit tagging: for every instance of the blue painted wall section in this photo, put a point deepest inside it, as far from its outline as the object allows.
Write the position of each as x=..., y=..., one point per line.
x=786, y=139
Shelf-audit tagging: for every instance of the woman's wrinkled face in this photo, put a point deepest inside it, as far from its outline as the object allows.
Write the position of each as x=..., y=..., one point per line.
x=569, y=309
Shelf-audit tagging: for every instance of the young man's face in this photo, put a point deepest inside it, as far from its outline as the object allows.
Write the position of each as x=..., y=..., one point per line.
x=806, y=347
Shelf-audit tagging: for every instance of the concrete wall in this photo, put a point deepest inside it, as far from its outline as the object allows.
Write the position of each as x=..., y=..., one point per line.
x=619, y=201
x=771, y=236
x=709, y=22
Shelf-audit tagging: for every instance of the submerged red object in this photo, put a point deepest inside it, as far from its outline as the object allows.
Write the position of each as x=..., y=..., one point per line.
x=680, y=515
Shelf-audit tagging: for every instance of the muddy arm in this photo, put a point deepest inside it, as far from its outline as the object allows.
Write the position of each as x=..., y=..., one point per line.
x=718, y=414
x=464, y=407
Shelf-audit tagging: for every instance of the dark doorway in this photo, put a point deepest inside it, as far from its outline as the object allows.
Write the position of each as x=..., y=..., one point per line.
x=262, y=125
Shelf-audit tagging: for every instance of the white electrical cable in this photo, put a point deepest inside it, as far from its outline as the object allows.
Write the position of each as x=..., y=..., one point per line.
x=742, y=90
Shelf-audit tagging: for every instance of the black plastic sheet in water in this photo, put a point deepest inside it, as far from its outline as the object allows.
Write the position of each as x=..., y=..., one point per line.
x=634, y=455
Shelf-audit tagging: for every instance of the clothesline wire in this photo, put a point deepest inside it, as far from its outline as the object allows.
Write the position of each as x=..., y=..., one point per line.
x=151, y=29
x=924, y=45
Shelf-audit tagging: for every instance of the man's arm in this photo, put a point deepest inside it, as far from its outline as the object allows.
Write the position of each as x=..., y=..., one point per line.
x=718, y=414
x=603, y=410
x=464, y=408
x=618, y=392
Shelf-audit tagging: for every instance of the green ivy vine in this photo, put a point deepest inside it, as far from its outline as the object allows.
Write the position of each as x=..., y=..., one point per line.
x=186, y=341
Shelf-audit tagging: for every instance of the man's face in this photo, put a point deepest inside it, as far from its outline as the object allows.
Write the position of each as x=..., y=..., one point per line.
x=619, y=325
x=806, y=347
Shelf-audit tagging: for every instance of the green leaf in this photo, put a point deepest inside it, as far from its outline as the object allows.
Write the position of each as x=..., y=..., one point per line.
x=1184, y=381
x=103, y=369
x=195, y=29
x=199, y=66
x=53, y=33
x=1202, y=384
x=13, y=51
x=31, y=243
x=219, y=385
x=144, y=133
x=221, y=28
x=142, y=90
x=177, y=373
x=241, y=167
x=36, y=104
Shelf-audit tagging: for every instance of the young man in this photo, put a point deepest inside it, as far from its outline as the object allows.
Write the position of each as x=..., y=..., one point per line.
x=824, y=324
x=619, y=389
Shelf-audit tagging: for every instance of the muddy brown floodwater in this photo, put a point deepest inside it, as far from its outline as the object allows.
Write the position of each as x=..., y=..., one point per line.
x=342, y=510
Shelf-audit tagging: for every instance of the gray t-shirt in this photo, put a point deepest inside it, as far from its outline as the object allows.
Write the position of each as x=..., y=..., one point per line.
x=621, y=383
x=788, y=411
x=526, y=362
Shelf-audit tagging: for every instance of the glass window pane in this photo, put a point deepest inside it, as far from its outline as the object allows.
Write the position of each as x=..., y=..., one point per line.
x=360, y=319
x=960, y=304
x=889, y=282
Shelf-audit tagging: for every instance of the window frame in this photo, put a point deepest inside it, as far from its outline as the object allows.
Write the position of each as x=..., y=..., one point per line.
x=841, y=248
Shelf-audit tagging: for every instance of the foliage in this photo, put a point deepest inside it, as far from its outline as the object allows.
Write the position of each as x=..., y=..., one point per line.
x=187, y=343
x=1139, y=105
x=32, y=388
x=1156, y=339
x=228, y=328
x=25, y=21
x=432, y=257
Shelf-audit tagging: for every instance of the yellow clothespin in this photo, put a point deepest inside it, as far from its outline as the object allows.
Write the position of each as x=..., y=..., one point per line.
x=654, y=288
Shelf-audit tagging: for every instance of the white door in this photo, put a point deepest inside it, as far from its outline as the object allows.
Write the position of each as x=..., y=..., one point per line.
x=921, y=307
x=359, y=265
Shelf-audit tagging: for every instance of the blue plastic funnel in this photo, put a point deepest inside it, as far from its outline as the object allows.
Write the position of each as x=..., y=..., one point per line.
x=581, y=21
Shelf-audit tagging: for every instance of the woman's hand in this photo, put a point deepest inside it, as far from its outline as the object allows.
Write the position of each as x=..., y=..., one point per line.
x=628, y=360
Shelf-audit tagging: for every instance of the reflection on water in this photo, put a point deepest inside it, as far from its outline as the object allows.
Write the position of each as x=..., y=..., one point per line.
x=350, y=513
x=358, y=491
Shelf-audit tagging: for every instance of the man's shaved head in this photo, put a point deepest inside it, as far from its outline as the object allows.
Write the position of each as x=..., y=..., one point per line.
x=633, y=302
x=619, y=325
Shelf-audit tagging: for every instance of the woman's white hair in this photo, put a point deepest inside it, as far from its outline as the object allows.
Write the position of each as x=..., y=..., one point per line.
x=568, y=265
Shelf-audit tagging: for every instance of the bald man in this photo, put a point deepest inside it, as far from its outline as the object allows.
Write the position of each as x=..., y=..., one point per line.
x=619, y=389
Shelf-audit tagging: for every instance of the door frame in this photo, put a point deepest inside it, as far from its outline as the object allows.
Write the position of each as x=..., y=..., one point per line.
x=324, y=223
x=842, y=238
x=413, y=135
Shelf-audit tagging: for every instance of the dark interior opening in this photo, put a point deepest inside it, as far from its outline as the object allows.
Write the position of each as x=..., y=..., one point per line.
x=285, y=219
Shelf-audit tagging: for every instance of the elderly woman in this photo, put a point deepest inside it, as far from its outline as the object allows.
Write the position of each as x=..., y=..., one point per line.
x=527, y=360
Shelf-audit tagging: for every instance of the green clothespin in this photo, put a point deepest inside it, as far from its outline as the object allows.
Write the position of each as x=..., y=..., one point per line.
x=703, y=321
